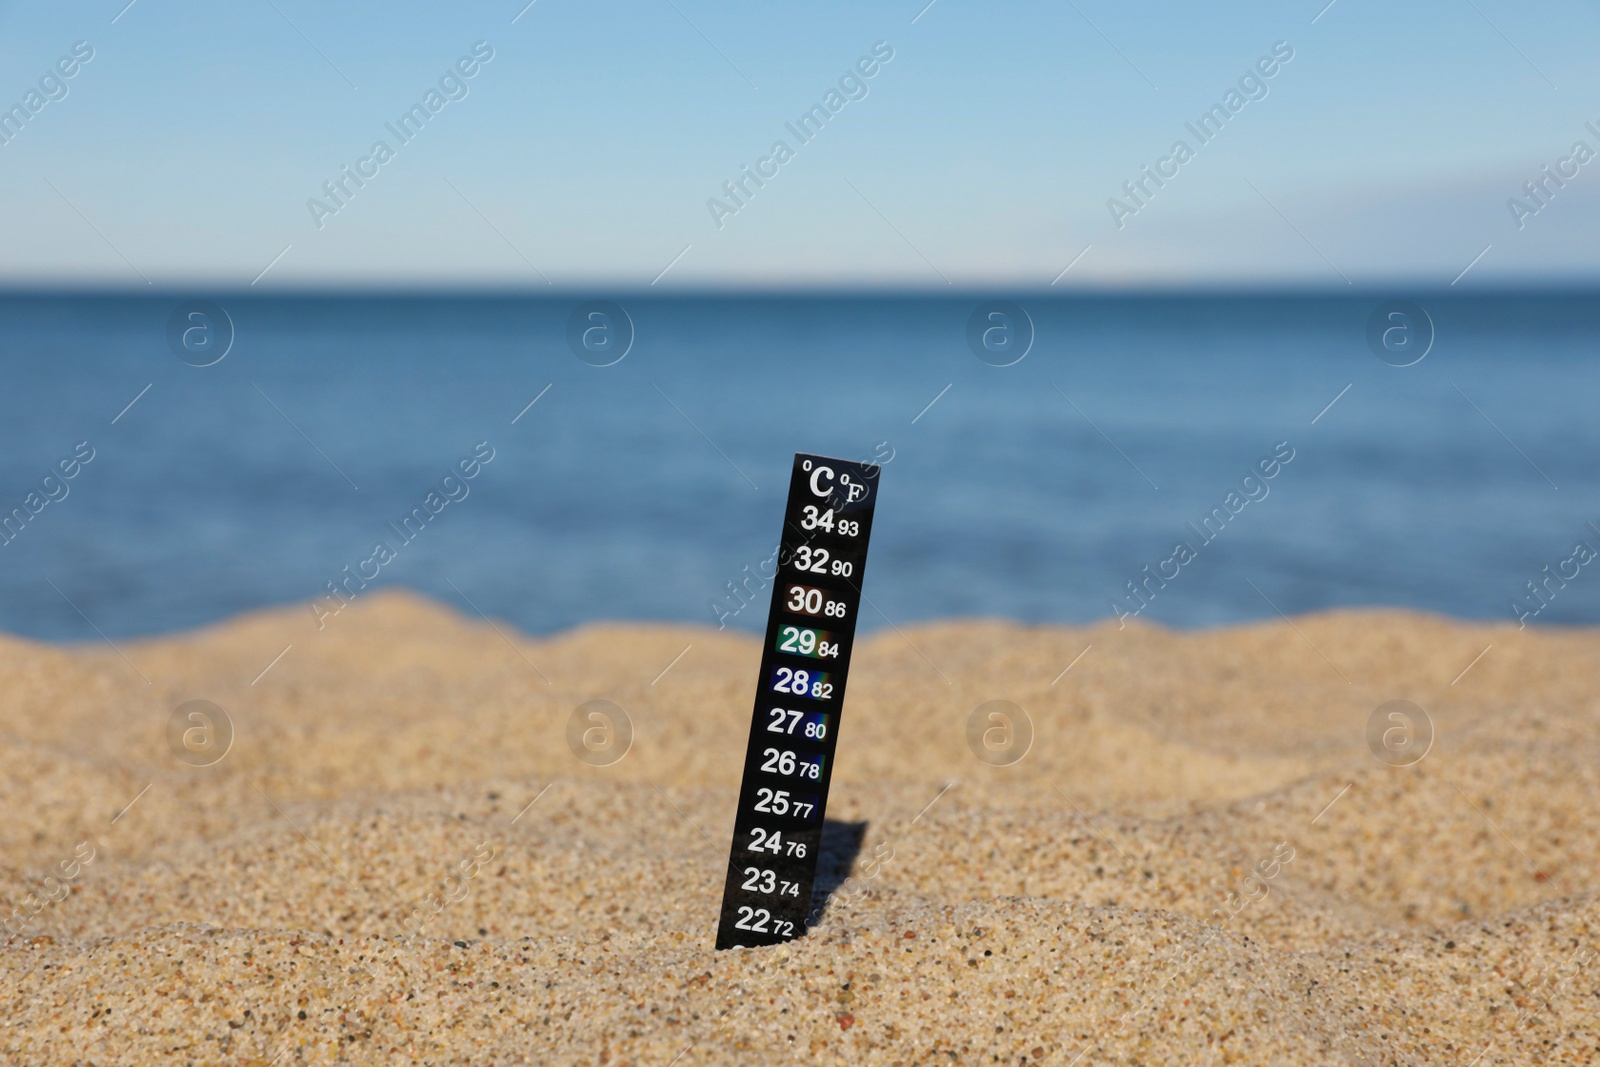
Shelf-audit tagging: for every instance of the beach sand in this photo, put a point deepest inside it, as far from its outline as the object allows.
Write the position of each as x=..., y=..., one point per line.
x=1199, y=860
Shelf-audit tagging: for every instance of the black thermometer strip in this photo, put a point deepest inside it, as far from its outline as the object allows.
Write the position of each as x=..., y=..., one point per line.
x=799, y=697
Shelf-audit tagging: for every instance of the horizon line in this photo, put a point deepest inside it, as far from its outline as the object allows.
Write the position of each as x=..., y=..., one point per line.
x=634, y=291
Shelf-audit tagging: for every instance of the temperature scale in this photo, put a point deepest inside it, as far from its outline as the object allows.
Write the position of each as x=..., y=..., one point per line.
x=799, y=696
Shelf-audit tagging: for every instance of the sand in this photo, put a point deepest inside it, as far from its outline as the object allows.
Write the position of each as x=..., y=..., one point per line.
x=1199, y=860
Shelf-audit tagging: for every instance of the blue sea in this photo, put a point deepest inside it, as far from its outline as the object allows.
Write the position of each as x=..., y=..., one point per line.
x=639, y=490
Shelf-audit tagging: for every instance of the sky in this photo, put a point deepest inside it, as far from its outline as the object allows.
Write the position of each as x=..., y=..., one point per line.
x=591, y=149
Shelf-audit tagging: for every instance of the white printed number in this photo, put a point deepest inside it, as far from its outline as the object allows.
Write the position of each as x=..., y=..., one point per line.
x=821, y=561
x=813, y=521
x=792, y=681
x=758, y=920
x=800, y=684
x=758, y=881
x=777, y=802
x=778, y=725
x=779, y=761
x=785, y=762
x=784, y=721
x=826, y=521
x=772, y=841
x=808, y=601
x=806, y=642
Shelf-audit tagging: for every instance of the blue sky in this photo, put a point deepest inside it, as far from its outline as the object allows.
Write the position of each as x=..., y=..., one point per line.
x=983, y=154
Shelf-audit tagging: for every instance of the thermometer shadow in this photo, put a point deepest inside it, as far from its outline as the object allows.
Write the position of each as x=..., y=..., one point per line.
x=836, y=858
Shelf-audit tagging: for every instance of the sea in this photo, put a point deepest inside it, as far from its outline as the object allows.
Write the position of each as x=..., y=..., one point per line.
x=1044, y=456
